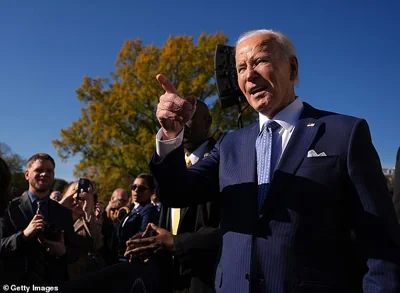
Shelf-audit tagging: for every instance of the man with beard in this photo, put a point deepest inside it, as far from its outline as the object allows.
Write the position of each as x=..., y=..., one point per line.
x=190, y=234
x=37, y=231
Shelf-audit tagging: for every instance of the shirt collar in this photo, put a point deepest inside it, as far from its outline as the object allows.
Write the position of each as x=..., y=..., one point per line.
x=287, y=117
x=34, y=198
x=195, y=156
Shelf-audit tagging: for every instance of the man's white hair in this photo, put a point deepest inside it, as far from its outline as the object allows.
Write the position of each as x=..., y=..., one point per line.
x=286, y=45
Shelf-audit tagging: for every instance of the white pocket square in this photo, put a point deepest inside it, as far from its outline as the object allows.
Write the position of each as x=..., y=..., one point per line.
x=313, y=154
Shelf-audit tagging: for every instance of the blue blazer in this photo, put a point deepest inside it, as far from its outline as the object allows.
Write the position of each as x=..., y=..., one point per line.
x=327, y=224
x=136, y=222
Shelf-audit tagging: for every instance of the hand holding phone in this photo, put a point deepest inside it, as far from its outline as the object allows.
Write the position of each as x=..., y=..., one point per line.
x=83, y=186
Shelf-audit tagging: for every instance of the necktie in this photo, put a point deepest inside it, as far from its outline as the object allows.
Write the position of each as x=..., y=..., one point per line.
x=188, y=162
x=39, y=263
x=176, y=216
x=176, y=212
x=42, y=209
x=264, y=159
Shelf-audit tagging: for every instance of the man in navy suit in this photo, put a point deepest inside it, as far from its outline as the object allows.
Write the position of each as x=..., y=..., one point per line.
x=327, y=223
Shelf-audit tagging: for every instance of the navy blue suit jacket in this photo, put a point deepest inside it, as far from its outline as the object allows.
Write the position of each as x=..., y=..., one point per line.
x=327, y=224
x=136, y=223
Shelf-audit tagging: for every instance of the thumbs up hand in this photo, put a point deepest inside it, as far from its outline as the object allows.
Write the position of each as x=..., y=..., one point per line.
x=173, y=110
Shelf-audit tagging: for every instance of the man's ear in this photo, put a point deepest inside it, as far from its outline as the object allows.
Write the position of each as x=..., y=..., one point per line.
x=26, y=173
x=294, y=68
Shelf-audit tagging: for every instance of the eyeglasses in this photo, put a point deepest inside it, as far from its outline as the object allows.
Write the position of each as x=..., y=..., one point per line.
x=113, y=209
x=140, y=188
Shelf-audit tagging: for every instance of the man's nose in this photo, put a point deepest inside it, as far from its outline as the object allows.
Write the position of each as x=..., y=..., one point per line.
x=252, y=74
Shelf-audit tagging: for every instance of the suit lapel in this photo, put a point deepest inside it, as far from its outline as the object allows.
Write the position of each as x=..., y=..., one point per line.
x=26, y=207
x=300, y=142
x=208, y=149
x=249, y=170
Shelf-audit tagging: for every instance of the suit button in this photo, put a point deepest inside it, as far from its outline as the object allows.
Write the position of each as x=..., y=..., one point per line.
x=247, y=276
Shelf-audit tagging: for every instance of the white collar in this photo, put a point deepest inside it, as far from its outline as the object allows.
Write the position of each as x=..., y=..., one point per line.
x=287, y=117
x=195, y=156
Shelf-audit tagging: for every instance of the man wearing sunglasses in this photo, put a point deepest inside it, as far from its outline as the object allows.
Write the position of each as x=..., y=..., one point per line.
x=142, y=211
x=190, y=235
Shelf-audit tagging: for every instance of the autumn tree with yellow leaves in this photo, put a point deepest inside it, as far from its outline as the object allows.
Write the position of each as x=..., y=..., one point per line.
x=115, y=135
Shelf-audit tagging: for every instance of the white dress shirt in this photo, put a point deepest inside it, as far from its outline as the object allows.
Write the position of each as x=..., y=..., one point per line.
x=287, y=119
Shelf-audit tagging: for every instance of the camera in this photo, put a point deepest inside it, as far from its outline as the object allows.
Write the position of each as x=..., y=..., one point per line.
x=83, y=186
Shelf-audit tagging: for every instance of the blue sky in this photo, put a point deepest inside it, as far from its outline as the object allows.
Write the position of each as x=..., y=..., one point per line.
x=348, y=55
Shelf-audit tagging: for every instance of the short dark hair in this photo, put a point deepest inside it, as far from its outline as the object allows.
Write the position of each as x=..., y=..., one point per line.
x=5, y=185
x=148, y=178
x=39, y=156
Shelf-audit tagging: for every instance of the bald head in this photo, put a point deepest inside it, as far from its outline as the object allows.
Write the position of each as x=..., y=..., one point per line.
x=119, y=194
x=197, y=129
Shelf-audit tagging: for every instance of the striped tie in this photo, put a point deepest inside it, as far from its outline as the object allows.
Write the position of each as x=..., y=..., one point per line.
x=264, y=159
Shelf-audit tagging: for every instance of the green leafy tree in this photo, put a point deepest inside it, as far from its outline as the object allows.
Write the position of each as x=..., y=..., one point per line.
x=14, y=161
x=115, y=134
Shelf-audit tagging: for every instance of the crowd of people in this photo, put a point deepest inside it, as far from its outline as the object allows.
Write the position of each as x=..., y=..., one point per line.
x=296, y=202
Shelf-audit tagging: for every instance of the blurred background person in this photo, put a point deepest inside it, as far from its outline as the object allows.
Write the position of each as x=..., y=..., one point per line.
x=156, y=202
x=87, y=228
x=56, y=195
x=5, y=189
x=116, y=212
x=120, y=195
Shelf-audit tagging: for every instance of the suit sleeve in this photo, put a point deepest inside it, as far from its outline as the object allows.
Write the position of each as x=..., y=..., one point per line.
x=376, y=229
x=12, y=241
x=175, y=181
x=197, y=248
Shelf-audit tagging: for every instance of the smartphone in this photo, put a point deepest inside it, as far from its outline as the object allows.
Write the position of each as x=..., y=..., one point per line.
x=83, y=186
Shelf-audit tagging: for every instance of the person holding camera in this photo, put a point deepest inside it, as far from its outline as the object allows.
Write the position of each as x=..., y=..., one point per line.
x=38, y=236
x=79, y=198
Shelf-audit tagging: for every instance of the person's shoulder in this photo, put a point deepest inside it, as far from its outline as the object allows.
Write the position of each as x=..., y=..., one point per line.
x=149, y=208
x=59, y=207
x=18, y=200
x=328, y=116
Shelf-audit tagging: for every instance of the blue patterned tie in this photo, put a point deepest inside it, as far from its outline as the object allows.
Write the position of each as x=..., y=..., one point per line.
x=264, y=159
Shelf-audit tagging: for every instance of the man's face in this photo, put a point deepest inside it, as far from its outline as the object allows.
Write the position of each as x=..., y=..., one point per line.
x=265, y=77
x=119, y=195
x=141, y=192
x=197, y=129
x=40, y=176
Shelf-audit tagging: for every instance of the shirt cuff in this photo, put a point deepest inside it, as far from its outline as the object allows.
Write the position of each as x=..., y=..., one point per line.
x=164, y=147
